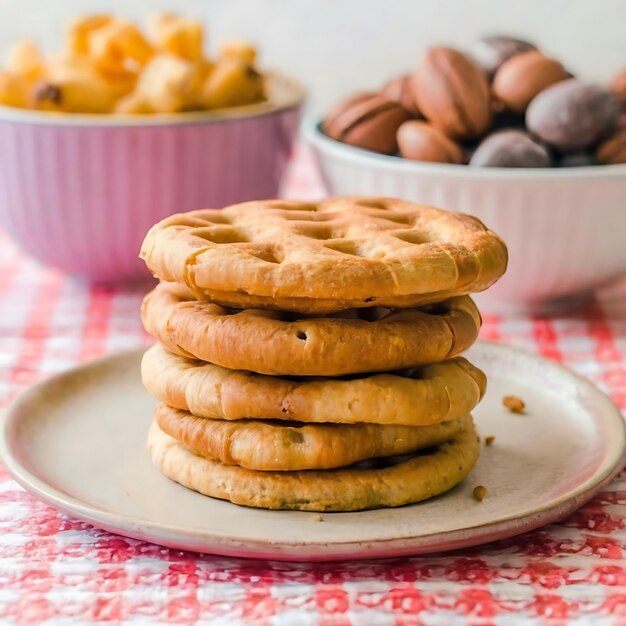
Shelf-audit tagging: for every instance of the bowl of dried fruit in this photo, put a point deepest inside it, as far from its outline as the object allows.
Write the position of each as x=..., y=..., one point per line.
x=505, y=133
x=120, y=129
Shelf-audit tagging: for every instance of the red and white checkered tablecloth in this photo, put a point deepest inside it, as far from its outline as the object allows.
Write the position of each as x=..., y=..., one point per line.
x=56, y=570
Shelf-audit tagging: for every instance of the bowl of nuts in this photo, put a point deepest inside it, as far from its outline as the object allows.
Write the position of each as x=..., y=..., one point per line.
x=508, y=134
x=120, y=129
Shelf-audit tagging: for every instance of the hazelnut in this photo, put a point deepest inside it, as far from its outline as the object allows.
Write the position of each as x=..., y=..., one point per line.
x=613, y=150
x=419, y=141
x=523, y=76
x=452, y=92
x=366, y=120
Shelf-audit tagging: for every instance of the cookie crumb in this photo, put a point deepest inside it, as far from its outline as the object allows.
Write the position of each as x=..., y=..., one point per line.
x=514, y=404
x=489, y=440
x=479, y=493
x=317, y=518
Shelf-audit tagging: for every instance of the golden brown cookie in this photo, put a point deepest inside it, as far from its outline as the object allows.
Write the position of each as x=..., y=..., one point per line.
x=337, y=254
x=351, y=489
x=279, y=343
x=288, y=446
x=417, y=397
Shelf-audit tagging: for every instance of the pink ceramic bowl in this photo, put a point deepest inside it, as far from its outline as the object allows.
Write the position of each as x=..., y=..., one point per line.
x=79, y=192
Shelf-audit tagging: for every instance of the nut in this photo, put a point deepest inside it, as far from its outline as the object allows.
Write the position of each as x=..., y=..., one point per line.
x=618, y=86
x=523, y=76
x=419, y=141
x=367, y=120
x=452, y=92
x=401, y=89
x=492, y=51
x=510, y=148
x=571, y=115
x=613, y=150
x=514, y=404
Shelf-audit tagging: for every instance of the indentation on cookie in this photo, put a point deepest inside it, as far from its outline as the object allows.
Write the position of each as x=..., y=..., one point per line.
x=412, y=236
x=300, y=216
x=293, y=206
x=301, y=335
x=397, y=218
x=315, y=230
x=373, y=204
x=213, y=216
x=347, y=247
x=221, y=234
x=266, y=252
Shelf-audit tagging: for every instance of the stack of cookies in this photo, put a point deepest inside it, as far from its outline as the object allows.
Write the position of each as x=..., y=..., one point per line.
x=308, y=354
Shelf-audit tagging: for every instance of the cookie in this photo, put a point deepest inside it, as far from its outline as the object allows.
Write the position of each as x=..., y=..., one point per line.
x=277, y=343
x=287, y=446
x=416, y=397
x=417, y=478
x=344, y=252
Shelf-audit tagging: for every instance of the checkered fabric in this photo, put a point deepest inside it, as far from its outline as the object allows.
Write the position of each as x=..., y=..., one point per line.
x=56, y=570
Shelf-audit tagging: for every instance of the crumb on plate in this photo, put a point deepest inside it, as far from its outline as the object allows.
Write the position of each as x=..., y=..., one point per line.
x=317, y=518
x=514, y=404
x=489, y=440
x=479, y=493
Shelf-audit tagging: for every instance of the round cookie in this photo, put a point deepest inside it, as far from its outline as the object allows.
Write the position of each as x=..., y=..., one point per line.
x=418, y=397
x=343, y=252
x=350, y=489
x=277, y=343
x=288, y=446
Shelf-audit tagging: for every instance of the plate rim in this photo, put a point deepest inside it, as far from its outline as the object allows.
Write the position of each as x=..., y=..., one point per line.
x=219, y=544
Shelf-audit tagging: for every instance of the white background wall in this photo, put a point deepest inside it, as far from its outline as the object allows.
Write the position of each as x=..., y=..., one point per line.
x=335, y=46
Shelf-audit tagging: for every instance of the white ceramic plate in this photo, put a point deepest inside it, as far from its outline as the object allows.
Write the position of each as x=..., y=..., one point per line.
x=77, y=441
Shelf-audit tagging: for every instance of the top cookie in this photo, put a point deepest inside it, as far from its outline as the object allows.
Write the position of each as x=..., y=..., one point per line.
x=331, y=255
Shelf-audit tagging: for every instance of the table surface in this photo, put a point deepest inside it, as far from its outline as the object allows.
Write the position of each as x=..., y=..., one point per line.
x=57, y=570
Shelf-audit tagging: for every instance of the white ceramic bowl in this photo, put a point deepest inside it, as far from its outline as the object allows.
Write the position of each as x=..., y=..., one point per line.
x=565, y=227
